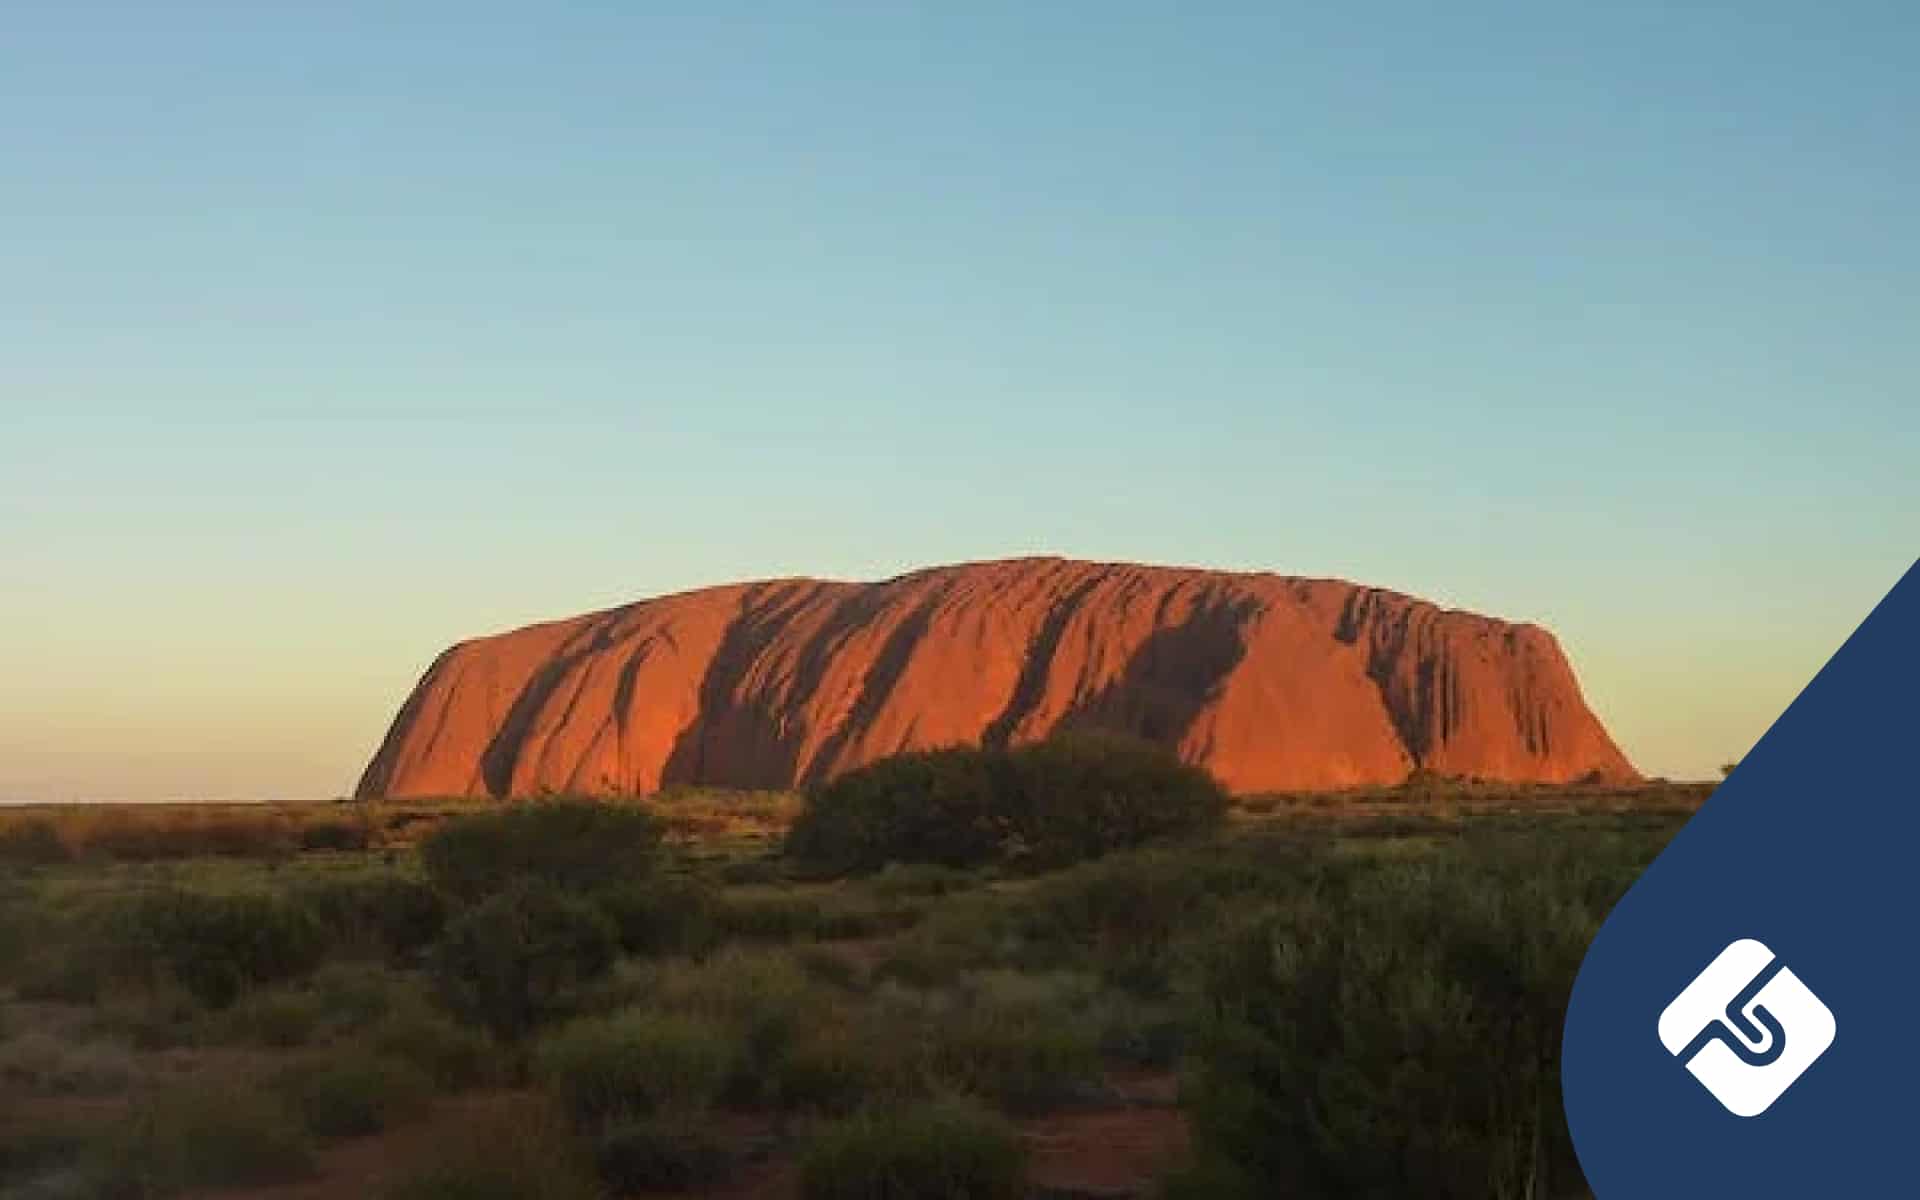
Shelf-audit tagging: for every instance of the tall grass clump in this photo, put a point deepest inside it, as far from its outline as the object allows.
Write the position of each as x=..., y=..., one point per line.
x=576, y=845
x=215, y=946
x=1021, y=1042
x=636, y=1063
x=944, y=1149
x=449, y=1054
x=763, y=999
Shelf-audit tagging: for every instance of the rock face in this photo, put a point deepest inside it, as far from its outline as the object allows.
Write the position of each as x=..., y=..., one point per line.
x=1271, y=682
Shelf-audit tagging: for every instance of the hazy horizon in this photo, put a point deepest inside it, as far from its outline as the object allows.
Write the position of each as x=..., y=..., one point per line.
x=339, y=335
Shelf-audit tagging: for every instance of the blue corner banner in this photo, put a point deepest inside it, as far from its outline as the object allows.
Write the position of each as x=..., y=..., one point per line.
x=1747, y=1022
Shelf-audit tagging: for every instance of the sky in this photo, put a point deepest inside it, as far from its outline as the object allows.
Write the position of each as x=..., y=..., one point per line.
x=332, y=334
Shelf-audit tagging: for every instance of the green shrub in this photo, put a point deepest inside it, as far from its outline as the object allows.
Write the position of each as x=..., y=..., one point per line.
x=649, y=1154
x=1138, y=1033
x=40, y=1145
x=384, y=911
x=577, y=845
x=520, y=1151
x=21, y=928
x=748, y=871
x=354, y=995
x=920, y=879
x=334, y=835
x=522, y=957
x=825, y=916
x=278, y=1018
x=662, y=915
x=1047, y=804
x=73, y=969
x=1396, y=1032
x=637, y=1063
x=834, y=1068
x=777, y=917
x=353, y=1093
x=942, y=1150
x=947, y=807
x=33, y=844
x=202, y=1137
x=829, y=967
x=449, y=1054
x=216, y=946
x=1208, y=1178
x=157, y=1019
x=761, y=998
x=1086, y=794
x=41, y=1064
x=1129, y=915
x=254, y=835
x=848, y=918
x=1021, y=1042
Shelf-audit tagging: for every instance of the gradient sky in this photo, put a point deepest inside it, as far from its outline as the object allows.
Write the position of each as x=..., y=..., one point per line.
x=328, y=338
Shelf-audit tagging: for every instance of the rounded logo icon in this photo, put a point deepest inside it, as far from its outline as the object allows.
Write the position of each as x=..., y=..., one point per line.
x=1747, y=1028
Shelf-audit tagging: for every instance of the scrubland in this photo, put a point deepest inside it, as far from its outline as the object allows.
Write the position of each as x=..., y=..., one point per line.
x=975, y=977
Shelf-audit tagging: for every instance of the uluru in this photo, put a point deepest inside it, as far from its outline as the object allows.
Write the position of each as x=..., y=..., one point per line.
x=1271, y=682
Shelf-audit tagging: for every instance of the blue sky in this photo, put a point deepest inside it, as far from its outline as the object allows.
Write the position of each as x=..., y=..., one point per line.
x=333, y=337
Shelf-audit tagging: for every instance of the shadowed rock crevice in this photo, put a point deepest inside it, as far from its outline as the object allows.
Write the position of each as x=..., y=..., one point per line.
x=875, y=688
x=736, y=740
x=1039, y=663
x=1174, y=674
x=502, y=755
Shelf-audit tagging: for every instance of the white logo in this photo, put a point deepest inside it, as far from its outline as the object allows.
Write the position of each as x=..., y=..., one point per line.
x=1747, y=1028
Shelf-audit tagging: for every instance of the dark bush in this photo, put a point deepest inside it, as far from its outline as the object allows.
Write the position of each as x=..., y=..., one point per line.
x=1084, y=795
x=40, y=1145
x=522, y=957
x=637, y=1063
x=33, y=844
x=901, y=880
x=1396, y=1032
x=354, y=995
x=354, y=1093
x=942, y=1150
x=1125, y=914
x=170, y=836
x=773, y=917
x=579, y=845
x=334, y=835
x=451, y=1055
x=215, y=946
x=387, y=911
x=953, y=808
x=281, y=1018
x=1047, y=804
x=828, y=1069
x=655, y=1154
x=662, y=915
